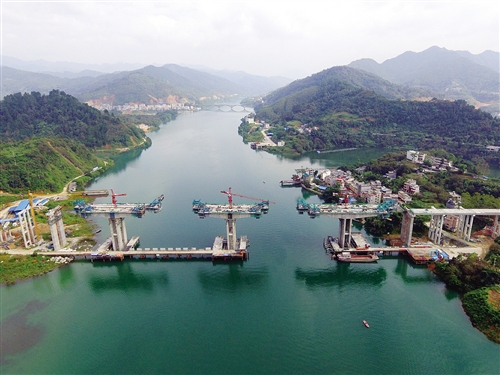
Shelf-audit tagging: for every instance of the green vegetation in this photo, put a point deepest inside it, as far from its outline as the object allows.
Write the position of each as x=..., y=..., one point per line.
x=45, y=164
x=24, y=116
x=18, y=267
x=48, y=140
x=478, y=281
x=250, y=132
x=334, y=114
x=483, y=308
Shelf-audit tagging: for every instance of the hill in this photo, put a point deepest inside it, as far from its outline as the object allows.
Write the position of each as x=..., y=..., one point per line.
x=43, y=164
x=322, y=113
x=355, y=77
x=27, y=116
x=451, y=75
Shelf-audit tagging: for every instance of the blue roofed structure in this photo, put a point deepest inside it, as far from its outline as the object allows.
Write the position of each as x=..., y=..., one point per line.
x=20, y=207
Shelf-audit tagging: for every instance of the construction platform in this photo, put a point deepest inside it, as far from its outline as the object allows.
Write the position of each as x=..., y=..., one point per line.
x=218, y=252
x=116, y=210
x=346, y=210
x=206, y=209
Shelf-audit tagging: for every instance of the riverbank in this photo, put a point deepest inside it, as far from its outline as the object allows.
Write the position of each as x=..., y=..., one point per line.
x=17, y=267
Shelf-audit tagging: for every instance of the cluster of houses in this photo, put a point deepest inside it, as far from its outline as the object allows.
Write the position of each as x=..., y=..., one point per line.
x=434, y=164
x=140, y=107
x=372, y=192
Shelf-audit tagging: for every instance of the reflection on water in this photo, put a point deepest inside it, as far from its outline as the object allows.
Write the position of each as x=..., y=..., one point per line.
x=125, y=278
x=404, y=268
x=232, y=277
x=342, y=275
x=122, y=162
x=17, y=334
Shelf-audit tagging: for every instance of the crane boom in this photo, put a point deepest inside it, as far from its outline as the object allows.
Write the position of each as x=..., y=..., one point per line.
x=230, y=195
x=113, y=196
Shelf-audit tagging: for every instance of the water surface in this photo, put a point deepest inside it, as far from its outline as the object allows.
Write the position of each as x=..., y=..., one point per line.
x=288, y=310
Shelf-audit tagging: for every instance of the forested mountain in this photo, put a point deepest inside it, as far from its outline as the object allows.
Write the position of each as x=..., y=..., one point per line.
x=25, y=116
x=169, y=83
x=450, y=75
x=322, y=114
x=355, y=77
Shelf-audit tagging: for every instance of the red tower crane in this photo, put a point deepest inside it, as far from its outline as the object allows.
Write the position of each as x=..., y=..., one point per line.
x=113, y=196
x=230, y=195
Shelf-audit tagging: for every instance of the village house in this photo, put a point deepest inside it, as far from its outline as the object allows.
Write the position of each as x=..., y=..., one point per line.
x=411, y=187
x=415, y=156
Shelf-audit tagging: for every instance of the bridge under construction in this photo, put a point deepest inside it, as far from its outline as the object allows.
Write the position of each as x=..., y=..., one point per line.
x=119, y=246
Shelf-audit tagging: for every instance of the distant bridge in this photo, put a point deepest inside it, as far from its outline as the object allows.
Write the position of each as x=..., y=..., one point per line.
x=223, y=107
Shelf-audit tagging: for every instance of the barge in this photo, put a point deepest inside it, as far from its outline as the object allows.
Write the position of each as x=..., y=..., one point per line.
x=347, y=257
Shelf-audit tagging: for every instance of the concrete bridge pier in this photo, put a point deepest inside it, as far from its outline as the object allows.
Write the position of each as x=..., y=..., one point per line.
x=496, y=227
x=56, y=225
x=118, y=233
x=464, y=227
x=345, y=231
x=231, y=232
x=407, y=228
x=436, y=228
x=27, y=227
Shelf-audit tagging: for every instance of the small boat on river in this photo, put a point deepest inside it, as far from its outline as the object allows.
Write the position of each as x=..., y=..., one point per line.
x=366, y=324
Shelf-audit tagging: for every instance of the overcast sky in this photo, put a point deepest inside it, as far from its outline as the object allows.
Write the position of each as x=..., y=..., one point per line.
x=288, y=38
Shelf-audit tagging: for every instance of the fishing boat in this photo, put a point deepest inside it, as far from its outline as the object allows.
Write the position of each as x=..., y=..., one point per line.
x=366, y=324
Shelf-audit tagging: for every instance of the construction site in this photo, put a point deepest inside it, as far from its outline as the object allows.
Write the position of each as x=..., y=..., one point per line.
x=19, y=229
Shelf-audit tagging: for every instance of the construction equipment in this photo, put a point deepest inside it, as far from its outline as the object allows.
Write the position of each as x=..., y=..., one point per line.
x=230, y=195
x=113, y=196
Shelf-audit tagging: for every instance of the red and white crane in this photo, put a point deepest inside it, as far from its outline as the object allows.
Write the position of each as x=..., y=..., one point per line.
x=113, y=196
x=230, y=195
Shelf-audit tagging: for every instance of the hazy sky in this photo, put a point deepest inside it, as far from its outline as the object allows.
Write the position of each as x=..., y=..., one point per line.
x=289, y=38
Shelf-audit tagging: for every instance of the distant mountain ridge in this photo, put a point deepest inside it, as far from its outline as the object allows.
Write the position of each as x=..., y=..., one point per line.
x=451, y=75
x=148, y=85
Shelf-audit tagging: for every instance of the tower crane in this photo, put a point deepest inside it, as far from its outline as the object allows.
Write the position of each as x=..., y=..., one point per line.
x=113, y=196
x=230, y=195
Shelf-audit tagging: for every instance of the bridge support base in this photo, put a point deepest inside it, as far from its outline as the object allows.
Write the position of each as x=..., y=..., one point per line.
x=118, y=233
x=56, y=228
x=231, y=232
x=345, y=233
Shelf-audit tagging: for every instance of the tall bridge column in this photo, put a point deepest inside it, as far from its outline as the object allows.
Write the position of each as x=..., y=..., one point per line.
x=496, y=228
x=407, y=228
x=345, y=232
x=27, y=228
x=469, y=219
x=231, y=232
x=436, y=228
x=118, y=233
x=460, y=226
x=56, y=228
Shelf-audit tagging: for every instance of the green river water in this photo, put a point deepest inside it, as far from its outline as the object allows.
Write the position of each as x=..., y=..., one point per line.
x=288, y=310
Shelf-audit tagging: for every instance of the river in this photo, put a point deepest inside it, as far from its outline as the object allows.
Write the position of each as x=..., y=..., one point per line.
x=288, y=310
